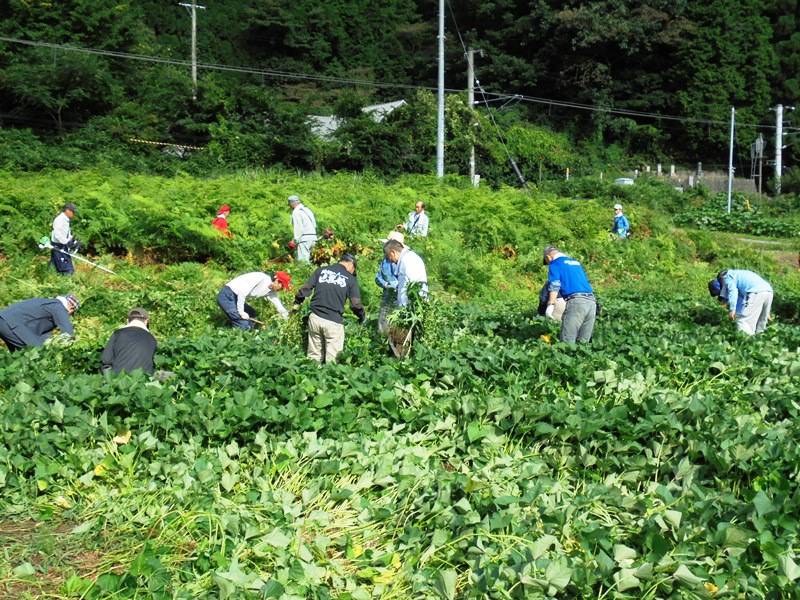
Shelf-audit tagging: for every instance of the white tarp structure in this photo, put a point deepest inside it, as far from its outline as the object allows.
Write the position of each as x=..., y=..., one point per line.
x=325, y=127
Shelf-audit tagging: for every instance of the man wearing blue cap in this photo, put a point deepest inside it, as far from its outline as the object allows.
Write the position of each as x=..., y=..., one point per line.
x=748, y=296
x=304, y=226
x=30, y=322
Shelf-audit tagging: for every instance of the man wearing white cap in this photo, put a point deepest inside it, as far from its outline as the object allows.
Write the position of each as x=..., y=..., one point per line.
x=30, y=322
x=305, y=230
x=621, y=226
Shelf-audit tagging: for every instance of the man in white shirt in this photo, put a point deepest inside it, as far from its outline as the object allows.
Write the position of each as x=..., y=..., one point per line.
x=417, y=223
x=232, y=298
x=63, y=241
x=410, y=269
x=305, y=229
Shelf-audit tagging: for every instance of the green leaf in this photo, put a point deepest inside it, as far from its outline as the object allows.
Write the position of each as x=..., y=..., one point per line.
x=57, y=412
x=445, y=584
x=475, y=431
x=625, y=579
x=24, y=571
x=622, y=552
x=789, y=567
x=277, y=539
x=686, y=577
x=272, y=589
x=558, y=575
x=229, y=480
x=762, y=503
x=543, y=544
x=673, y=517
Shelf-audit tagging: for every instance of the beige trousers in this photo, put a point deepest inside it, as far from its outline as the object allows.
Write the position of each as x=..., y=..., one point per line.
x=325, y=339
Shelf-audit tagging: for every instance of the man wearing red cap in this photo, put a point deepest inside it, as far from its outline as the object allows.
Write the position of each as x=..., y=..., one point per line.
x=30, y=322
x=232, y=298
x=221, y=222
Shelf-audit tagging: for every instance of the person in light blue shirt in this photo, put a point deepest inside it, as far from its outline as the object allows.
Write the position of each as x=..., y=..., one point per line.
x=566, y=275
x=621, y=225
x=749, y=299
x=386, y=279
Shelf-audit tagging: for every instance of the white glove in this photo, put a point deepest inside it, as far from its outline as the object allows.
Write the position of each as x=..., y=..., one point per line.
x=551, y=308
x=244, y=315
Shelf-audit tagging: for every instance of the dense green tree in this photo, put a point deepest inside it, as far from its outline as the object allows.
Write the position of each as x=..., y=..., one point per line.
x=728, y=59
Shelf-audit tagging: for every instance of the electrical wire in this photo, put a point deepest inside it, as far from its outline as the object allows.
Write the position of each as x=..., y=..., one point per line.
x=489, y=110
x=377, y=84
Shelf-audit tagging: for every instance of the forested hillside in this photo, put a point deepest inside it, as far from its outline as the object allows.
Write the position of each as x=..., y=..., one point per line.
x=601, y=72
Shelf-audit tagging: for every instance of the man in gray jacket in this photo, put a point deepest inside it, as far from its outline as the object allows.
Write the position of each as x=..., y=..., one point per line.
x=30, y=322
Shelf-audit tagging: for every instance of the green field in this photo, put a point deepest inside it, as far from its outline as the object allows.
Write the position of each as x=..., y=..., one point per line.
x=661, y=461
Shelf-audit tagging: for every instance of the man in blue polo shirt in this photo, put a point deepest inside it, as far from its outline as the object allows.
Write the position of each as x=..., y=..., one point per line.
x=566, y=275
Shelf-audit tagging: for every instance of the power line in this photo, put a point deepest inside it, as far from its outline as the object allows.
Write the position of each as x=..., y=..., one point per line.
x=366, y=83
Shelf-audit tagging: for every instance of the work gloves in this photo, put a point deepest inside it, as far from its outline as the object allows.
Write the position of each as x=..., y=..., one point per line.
x=551, y=308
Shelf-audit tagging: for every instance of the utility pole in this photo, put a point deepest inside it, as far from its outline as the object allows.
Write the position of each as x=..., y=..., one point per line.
x=760, y=149
x=730, y=160
x=778, y=147
x=193, y=9
x=471, y=102
x=440, y=112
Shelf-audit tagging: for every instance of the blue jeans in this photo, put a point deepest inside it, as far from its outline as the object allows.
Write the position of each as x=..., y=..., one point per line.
x=577, y=323
x=227, y=302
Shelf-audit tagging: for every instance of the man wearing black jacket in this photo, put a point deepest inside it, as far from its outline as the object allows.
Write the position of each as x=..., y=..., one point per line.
x=331, y=286
x=30, y=322
x=130, y=347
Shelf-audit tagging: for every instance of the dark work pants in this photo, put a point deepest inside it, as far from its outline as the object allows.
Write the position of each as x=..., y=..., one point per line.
x=227, y=302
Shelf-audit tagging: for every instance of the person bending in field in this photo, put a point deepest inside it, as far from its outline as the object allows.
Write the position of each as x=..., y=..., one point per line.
x=748, y=296
x=130, y=347
x=232, y=297
x=331, y=286
x=221, y=221
x=566, y=275
x=30, y=322
x=386, y=279
x=409, y=267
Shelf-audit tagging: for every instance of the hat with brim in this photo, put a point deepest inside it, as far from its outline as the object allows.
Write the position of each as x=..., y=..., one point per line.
x=138, y=313
x=69, y=206
x=284, y=279
x=547, y=252
x=394, y=235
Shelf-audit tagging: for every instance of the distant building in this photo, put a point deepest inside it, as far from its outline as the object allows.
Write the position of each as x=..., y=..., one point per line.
x=325, y=127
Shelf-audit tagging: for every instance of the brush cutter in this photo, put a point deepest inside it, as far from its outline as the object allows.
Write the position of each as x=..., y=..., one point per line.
x=46, y=243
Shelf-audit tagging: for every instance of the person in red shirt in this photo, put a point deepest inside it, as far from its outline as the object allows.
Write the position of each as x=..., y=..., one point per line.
x=221, y=222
